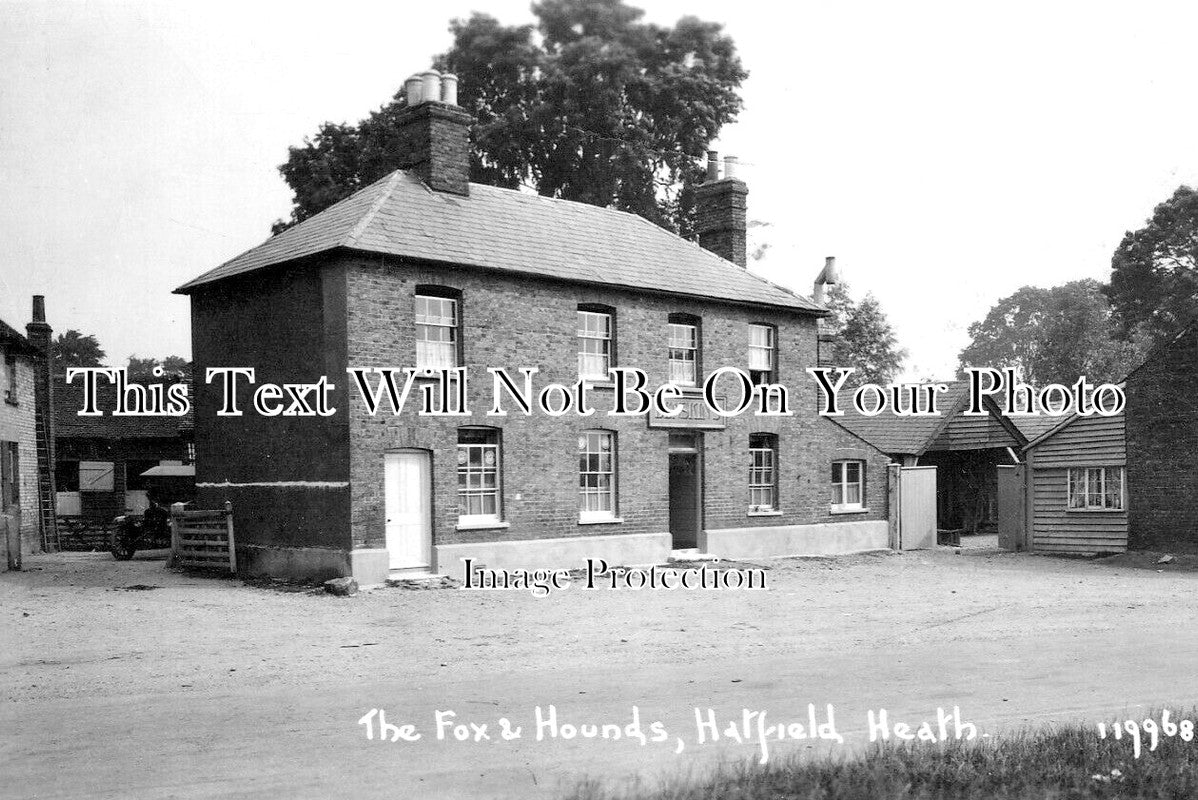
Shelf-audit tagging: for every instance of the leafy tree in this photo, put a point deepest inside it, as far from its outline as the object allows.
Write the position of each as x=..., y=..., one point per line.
x=73, y=349
x=173, y=367
x=1154, y=272
x=864, y=338
x=1053, y=336
x=177, y=367
x=590, y=104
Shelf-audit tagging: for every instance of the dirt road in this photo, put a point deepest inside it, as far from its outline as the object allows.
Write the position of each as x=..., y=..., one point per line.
x=210, y=688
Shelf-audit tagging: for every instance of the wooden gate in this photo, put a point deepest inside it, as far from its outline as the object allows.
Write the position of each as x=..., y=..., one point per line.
x=203, y=538
x=1012, y=502
x=913, y=507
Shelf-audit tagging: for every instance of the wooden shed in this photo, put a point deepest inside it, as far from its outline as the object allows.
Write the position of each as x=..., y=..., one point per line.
x=1075, y=479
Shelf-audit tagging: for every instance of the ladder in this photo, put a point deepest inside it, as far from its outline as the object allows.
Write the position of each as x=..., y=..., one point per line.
x=46, y=499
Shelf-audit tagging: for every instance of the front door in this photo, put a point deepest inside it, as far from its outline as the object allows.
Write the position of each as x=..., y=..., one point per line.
x=408, y=503
x=686, y=487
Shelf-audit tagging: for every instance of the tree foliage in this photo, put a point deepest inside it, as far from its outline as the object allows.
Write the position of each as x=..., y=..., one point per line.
x=1154, y=272
x=591, y=104
x=864, y=339
x=73, y=349
x=173, y=367
x=1053, y=336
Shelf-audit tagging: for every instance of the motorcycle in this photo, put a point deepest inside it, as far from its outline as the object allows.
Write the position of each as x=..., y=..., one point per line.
x=133, y=532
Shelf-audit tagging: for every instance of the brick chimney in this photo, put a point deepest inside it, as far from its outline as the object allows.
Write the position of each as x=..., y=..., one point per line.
x=38, y=332
x=435, y=132
x=721, y=210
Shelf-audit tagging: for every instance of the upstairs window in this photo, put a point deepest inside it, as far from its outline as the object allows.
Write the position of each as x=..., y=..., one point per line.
x=684, y=350
x=1095, y=489
x=762, y=353
x=763, y=473
x=436, y=331
x=596, y=475
x=595, y=338
x=9, y=388
x=848, y=485
x=478, y=476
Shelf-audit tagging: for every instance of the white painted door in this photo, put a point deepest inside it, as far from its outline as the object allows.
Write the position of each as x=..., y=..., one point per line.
x=407, y=489
x=917, y=508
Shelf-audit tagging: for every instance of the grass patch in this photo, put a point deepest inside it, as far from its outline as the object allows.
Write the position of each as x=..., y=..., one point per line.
x=1057, y=763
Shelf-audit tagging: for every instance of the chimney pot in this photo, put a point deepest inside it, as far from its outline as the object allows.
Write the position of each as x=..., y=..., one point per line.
x=721, y=219
x=433, y=133
x=39, y=308
x=431, y=85
x=412, y=89
x=449, y=89
x=713, y=165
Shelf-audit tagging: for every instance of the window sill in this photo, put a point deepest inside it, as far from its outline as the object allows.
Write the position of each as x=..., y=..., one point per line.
x=600, y=520
x=763, y=513
x=835, y=510
x=1095, y=511
x=483, y=525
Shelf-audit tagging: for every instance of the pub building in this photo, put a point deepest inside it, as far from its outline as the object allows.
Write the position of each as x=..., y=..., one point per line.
x=425, y=269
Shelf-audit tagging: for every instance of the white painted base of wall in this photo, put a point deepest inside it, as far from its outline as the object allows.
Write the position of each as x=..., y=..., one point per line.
x=820, y=539
x=570, y=553
x=294, y=563
x=372, y=567
x=368, y=567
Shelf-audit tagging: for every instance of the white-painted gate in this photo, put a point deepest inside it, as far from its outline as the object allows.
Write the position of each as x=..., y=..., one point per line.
x=917, y=508
x=407, y=497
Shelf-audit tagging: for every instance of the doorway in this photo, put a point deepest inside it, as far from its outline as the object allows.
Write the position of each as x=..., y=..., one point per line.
x=407, y=500
x=686, y=489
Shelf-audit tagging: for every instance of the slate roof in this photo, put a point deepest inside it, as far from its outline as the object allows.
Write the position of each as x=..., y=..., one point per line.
x=1032, y=427
x=902, y=435
x=68, y=399
x=13, y=337
x=516, y=232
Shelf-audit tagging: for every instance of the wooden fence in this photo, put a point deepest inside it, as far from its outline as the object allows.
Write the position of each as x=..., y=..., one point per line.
x=203, y=538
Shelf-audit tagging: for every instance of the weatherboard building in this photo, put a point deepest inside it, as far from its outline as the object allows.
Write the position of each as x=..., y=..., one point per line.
x=424, y=269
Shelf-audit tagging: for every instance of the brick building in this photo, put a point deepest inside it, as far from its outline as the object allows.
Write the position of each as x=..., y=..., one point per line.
x=425, y=269
x=1162, y=437
x=26, y=488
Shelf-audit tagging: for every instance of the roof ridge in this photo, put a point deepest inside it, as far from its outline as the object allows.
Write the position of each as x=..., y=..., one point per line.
x=357, y=230
x=724, y=262
x=940, y=427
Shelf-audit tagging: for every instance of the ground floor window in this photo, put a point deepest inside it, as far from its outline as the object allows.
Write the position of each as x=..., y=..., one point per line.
x=848, y=485
x=478, y=475
x=10, y=475
x=763, y=472
x=596, y=475
x=1095, y=489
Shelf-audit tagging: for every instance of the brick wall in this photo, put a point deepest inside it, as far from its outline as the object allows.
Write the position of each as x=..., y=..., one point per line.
x=514, y=322
x=21, y=428
x=1162, y=438
x=721, y=221
x=435, y=139
x=289, y=326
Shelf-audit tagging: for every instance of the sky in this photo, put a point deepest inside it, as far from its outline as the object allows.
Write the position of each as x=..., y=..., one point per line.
x=946, y=153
